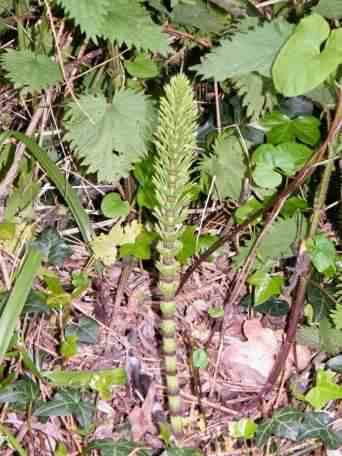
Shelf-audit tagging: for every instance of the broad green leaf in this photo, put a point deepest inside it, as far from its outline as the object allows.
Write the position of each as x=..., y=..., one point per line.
x=292, y=205
x=244, y=428
x=141, y=247
x=113, y=206
x=266, y=177
x=290, y=157
x=265, y=286
x=84, y=379
x=200, y=359
x=68, y=348
x=7, y=231
x=322, y=253
x=109, y=137
x=142, y=67
x=216, y=312
x=332, y=9
x=246, y=52
x=324, y=391
x=55, y=249
x=17, y=298
x=228, y=165
x=300, y=65
x=27, y=69
x=276, y=244
x=247, y=209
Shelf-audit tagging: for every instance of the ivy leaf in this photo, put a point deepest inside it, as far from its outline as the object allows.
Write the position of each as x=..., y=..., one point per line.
x=316, y=426
x=332, y=9
x=122, y=447
x=53, y=246
x=324, y=391
x=265, y=286
x=246, y=52
x=274, y=307
x=300, y=65
x=112, y=136
x=228, y=164
x=27, y=69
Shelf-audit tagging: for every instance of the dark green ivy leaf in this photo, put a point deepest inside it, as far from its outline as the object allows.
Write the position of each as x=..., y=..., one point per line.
x=316, y=426
x=54, y=248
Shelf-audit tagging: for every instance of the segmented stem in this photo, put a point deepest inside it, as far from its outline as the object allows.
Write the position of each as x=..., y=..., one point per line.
x=175, y=142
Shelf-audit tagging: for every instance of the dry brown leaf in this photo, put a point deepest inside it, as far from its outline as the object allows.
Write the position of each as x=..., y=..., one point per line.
x=140, y=418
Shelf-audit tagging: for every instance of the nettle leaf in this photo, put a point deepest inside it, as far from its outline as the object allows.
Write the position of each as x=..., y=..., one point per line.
x=27, y=69
x=21, y=392
x=200, y=15
x=324, y=391
x=130, y=23
x=257, y=95
x=228, y=165
x=300, y=65
x=53, y=246
x=119, y=21
x=254, y=50
x=282, y=129
x=88, y=14
x=109, y=137
x=265, y=286
x=322, y=253
x=332, y=9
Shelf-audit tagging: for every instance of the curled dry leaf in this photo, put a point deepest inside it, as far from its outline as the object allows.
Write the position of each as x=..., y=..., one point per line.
x=250, y=362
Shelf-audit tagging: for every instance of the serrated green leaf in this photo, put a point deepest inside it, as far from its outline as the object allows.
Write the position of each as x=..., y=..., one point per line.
x=200, y=15
x=246, y=52
x=27, y=69
x=300, y=65
x=113, y=206
x=112, y=136
x=130, y=23
x=228, y=165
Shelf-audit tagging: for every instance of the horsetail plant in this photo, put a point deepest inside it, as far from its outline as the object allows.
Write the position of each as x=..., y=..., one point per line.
x=175, y=142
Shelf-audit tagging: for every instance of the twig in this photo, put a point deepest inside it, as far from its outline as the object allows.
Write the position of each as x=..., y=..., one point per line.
x=201, y=41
